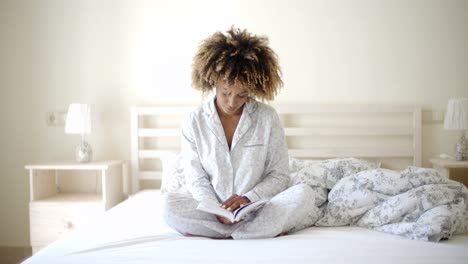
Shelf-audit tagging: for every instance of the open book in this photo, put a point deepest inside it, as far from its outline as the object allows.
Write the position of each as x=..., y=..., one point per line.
x=236, y=215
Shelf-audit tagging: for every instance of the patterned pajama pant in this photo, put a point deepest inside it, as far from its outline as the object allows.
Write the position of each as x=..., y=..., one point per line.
x=288, y=211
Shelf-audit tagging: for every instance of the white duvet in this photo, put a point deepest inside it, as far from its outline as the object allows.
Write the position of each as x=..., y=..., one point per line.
x=417, y=203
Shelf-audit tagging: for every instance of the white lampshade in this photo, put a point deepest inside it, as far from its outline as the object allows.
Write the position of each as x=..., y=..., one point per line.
x=78, y=119
x=456, y=117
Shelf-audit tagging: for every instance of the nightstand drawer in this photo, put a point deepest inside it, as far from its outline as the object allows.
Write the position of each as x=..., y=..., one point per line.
x=51, y=219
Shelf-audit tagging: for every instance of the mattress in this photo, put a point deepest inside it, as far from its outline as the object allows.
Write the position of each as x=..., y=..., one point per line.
x=134, y=232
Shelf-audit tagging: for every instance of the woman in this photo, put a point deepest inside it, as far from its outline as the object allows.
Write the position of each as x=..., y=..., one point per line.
x=234, y=147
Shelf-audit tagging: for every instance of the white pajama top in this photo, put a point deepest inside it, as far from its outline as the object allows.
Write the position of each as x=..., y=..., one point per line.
x=256, y=166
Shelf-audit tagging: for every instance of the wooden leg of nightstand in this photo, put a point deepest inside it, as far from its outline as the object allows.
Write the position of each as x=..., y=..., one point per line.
x=112, y=186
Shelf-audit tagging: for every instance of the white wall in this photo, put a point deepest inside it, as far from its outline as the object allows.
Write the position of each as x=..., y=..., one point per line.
x=115, y=54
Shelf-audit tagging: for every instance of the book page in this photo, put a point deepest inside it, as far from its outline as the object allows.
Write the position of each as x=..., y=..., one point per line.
x=236, y=215
x=214, y=208
x=246, y=209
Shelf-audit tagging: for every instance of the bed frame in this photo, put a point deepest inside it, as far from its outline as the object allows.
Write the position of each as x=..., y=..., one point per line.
x=390, y=134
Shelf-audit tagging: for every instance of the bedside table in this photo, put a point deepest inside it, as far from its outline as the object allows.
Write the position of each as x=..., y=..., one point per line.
x=455, y=170
x=64, y=195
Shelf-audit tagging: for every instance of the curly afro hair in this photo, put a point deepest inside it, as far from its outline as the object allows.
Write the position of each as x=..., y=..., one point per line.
x=237, y=57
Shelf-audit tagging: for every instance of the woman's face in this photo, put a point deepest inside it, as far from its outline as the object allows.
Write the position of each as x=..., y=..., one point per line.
x=230, y=98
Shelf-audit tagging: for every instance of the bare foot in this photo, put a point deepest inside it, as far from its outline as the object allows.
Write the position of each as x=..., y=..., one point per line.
x=282, y=234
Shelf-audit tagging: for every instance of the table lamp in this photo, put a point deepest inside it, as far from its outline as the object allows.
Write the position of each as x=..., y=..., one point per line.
x=79, y=122
x=456, y=118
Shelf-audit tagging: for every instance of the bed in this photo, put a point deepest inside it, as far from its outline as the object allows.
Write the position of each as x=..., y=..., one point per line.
x=134, y=231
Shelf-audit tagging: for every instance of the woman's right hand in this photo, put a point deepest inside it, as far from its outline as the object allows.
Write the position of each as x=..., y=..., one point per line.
x=234, y=202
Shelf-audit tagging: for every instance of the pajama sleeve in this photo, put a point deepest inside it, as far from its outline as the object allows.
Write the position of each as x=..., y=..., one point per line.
x=198, y=181
x=276, y=172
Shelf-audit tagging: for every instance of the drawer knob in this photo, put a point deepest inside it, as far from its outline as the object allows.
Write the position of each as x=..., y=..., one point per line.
x=69, y=225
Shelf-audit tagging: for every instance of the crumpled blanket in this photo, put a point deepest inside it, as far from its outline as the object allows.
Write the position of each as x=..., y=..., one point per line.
x=417, y=203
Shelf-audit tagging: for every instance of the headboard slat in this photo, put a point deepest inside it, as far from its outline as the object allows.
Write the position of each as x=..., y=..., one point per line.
x=321, y=153
x=350, y=131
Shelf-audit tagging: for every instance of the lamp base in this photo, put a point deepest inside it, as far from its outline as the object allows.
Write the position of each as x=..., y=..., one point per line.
x=461, y=148
x=83, y=152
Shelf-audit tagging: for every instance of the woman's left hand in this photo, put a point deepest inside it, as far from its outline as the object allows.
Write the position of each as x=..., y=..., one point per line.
x=224, y=220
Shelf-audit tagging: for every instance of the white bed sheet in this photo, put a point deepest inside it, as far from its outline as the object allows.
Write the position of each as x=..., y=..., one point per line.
x=134, y=232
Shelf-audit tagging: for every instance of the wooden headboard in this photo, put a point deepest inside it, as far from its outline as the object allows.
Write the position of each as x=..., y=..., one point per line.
x=390, y=134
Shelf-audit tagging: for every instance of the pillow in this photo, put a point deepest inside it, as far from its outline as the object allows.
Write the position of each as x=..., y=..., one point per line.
x=326, y=173
x=296, y=165
x=173, y=178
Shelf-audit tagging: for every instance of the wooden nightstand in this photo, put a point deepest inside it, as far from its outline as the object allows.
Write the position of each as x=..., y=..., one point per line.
x=455, y=170
x=65, y=195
